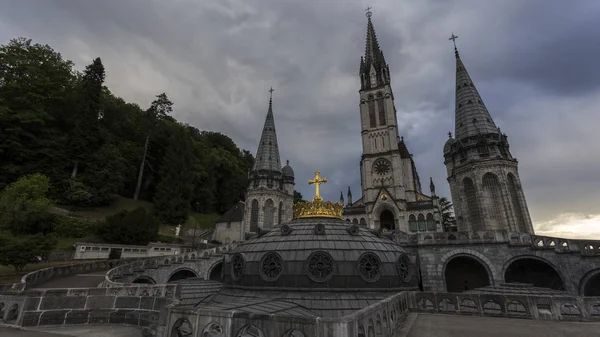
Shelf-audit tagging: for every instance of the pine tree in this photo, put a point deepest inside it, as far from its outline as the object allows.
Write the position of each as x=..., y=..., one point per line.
x=174, y=190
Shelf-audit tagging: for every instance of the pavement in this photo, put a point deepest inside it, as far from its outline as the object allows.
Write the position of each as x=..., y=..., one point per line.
x=90, y=280
x=74, y=330
x=434, y=325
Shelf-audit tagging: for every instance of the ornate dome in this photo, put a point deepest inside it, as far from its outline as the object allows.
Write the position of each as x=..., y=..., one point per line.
x=319, y=253
x=287, y=170
x=448, y=144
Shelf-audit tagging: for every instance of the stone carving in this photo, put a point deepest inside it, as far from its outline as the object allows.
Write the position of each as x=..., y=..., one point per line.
x=237, y=266
x=320, y=266
x=250, y=331
x=425, y=304
x=271, y=266
x=13, y=313
x=570, y=310
x=516, y=308
x=181, y=328
x=446, y=305
x=320, y=229
x=594, y=310
x=286, y=230
x=369, y=267
x=468, y=305
x=403, y=267
x=213, y=330
x=492, y=307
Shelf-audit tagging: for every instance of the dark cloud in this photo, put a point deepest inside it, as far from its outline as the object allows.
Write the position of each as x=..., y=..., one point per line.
x=534, y=63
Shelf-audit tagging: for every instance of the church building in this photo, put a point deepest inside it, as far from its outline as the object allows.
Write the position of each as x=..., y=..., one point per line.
x=392, y=198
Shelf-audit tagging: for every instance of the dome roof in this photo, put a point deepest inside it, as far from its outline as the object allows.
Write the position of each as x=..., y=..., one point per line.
x=287, y=170
x=318, y=253
x=448, y=144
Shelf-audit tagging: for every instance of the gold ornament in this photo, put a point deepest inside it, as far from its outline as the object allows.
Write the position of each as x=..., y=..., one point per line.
x=317, y=208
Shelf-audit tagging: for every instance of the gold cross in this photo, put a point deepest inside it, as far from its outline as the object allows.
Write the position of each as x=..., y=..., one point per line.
x=317, y=181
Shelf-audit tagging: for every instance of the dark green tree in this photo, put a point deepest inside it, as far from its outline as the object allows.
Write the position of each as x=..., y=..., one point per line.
x=174, y=191
x=18, y=252
x=24, y=206
x=135, y=227
x=447, y=210
x=105, y=175
x=297, y=196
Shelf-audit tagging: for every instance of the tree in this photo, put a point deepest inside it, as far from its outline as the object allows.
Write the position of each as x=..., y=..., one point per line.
x=19, y=252
x=24, y=206
x=448, y=220
x=174, y=191
x=297, y=196
x=135, y=227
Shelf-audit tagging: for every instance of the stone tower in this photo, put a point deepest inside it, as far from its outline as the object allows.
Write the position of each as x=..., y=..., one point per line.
x=270, y=192
x=389, y=177
x=483, y=175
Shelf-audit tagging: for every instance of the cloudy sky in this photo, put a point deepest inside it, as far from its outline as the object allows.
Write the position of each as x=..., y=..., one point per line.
x=534, y=62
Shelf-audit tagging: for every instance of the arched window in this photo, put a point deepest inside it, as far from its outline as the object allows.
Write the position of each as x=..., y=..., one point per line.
x=355, y=221
x=422, y=223
x=516, y=201
x=363, y=222
x=491, y=189
x=430, y=222
x=280, y=215
x=269, y=213
x=348, y=221
x=474, y=216
x=412, y=223
x=372, y=116
x=254, y=216
x=381, y=108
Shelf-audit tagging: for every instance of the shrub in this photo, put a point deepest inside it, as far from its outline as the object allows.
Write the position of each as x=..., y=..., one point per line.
x=65, y=226
x=130, y=227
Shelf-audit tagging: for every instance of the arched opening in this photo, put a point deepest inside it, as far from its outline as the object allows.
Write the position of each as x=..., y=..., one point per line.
x=254, y=216
x=386, y=220
x=280, y=213
x=413, y=225
x=474, y=217
x=592, y=286
x=465, y=273
x=269, y=213
x=363, y=223
x=144, y=280
x=181, y=275
x=533, y=271
x=355, y=221
x=215, y=272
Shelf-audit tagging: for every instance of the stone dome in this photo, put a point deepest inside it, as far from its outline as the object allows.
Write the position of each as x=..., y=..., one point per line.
x=319, y=253
x=287, y=170
x=448, y=145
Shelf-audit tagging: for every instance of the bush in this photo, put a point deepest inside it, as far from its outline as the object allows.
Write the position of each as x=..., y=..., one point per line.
x=115, y=254
x=130, y=227
x=72, y=192
x=65, y=226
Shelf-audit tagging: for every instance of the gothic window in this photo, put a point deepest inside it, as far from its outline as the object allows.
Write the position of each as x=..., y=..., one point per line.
x=369, y=267
x=491, y=188
x=182, y=327
x=254, y=216
x=280, y=214
x=237, y=266
x=372, y=116
x=381, y=107
x=430, y=222
x=412, y=223
x=269, y=213
x=473, y=208
x=320, y=266
x=271, y=267
x=355, y=221
x=422, y=223
x=514, y=196
x=363, y=223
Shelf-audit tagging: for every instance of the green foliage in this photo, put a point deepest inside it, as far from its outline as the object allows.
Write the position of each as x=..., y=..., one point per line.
x=297, y=196
x=135, y=227
x=65, y=226
x=21, y=251
x=447, y=210
x=114, y=254
x=24, y=207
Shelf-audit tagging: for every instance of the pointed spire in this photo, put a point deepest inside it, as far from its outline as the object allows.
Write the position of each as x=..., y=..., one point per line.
x=349, y=197
x=373, y=59
x=342, y=197
x=472, y=116
x=431, y=187
x=267, y=156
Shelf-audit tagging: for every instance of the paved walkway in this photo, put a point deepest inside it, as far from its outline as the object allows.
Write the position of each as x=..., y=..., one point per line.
x=433, y=325
x=90, y=280
x=74, y=330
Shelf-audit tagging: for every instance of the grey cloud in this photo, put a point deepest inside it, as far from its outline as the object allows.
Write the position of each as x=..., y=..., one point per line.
x=216, y=59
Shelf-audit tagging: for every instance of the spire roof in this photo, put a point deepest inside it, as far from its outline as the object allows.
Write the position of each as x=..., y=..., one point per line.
x=373, y=58
x=472, y=116
x=267, y=156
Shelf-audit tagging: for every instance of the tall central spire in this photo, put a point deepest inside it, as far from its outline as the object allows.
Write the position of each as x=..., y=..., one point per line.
x=472, y=116
x=373, y=69
x=267, y=156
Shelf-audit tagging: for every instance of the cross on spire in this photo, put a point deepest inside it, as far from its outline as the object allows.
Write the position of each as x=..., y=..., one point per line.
x=453, y=38
x=317, y=181
x=369, y=13
x=271, y=92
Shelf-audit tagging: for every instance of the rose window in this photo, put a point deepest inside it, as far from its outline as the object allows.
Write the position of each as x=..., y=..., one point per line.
x=237, y=266
x=369, y=267
x=271, y=266
x=320, y=266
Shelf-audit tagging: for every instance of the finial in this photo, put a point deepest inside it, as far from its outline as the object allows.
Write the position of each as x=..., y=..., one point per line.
x=450, y=134
x=402, y=138
x=369, y=13
x=271, y=95
x=287, y=162
x=453, y=38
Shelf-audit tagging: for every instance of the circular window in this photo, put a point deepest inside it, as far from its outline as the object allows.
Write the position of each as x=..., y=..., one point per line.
x=382, y=166
x=285, y=230
x=320, y=229
x=271, y=267
x=369, y=267
x=320, y=266
x=237, y=266
x=403, y=266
